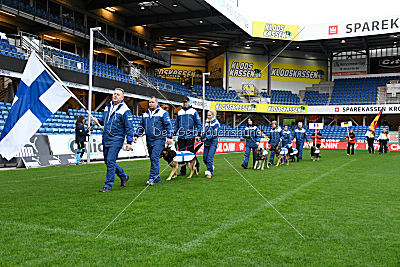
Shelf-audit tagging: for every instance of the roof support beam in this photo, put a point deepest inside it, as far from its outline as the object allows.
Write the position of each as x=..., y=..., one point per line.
x=137, y=21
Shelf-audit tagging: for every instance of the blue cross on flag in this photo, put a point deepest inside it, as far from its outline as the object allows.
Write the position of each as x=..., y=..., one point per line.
x=38, y=96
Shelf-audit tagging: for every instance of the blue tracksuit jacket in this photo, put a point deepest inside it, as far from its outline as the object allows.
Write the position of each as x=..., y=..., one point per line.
x=286, y=137
x=275, y=135
x=188, y=123
x=252, y=135
x=117, y=125
x=156, y=125
x=210, y=135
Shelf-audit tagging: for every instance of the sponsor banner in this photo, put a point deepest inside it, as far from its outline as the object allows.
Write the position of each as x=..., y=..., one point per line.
x=298, y=73
x=65, y=144
x=275, y=31
x=230, y=146
x=231, y=10
x=357, y=146
x=177, y=71
x=354, y=109
x=216, y=67
x=349, y=67
x=353, y=28
x=260, y=108
x=247, y=69
x=385, y=64
x=48, y=160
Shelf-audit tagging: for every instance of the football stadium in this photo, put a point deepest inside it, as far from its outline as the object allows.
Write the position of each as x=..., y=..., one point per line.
x=199, y=132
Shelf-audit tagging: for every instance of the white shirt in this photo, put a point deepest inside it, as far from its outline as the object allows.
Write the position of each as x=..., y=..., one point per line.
x=113, y=108
x=383, y=136
x=369, y=134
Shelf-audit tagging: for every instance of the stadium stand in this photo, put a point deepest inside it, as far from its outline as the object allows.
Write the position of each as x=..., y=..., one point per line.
x=357, y=91
x=81, y=64
x=215, y=93
x=314, y=98
x=74, y=25
x=283, y=97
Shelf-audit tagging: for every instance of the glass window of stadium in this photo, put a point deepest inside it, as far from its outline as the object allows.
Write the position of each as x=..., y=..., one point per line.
x=54, y=9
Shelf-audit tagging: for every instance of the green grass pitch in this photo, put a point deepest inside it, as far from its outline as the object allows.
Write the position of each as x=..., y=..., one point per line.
x=347, y=207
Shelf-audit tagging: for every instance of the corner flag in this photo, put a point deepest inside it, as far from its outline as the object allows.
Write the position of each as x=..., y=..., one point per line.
x=38, y=97
x=374, y=123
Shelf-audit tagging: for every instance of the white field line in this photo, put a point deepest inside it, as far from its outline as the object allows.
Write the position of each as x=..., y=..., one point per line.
x=244, y=217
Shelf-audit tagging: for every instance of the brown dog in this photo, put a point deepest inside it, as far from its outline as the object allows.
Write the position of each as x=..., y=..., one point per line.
x=279, y=152
x=261, y=156
x=170, y=156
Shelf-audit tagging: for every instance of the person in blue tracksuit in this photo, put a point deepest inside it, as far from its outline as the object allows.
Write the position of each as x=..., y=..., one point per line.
x=210, y=139
x=156, y=124
x=80, y=138
x=117, y=120
x=286, y=136
x=275, y=138
x=253, y=137
x=187, y=128
x=300, y=136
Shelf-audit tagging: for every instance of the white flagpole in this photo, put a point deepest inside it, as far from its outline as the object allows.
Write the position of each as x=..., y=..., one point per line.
x=92, y=30
x=204, y=99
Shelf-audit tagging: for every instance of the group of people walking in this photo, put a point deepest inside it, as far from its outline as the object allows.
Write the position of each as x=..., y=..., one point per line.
x=282, y=138
x=156, y=125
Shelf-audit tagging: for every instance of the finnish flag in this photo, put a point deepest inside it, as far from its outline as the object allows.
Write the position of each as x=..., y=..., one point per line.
x=38, y=96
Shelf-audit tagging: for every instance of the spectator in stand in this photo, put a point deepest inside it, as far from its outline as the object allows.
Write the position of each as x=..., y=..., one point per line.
x=301, y=137
x=275, y=135
x=383, y=140
x=351, y=141
x=80, y=138
x=370, y=135
x=253, y=137
x=317, y=140
x=210, y=139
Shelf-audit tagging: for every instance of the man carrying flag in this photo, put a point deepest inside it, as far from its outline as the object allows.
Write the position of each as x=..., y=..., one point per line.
x=39, y=96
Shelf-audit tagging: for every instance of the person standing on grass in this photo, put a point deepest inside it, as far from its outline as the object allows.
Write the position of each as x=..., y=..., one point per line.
x=187, y=127
x=117, y=121
x=370, y=135
x=383, y=140
x=156, y=124
x=253, y=137
x=275, y=137
x=210, y=139
x=351, y=141
x=317, y=141
x=286, y=136
x=301, y=137
x=80, y=138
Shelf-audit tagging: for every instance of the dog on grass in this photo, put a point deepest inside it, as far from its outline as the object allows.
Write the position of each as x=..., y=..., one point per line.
x=261, y=156
x=315, y=153
x=292, y=153
x=281, y=154
x=178, y=159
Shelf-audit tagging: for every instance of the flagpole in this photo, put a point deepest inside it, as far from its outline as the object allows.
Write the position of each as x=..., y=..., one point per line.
x=92, y=30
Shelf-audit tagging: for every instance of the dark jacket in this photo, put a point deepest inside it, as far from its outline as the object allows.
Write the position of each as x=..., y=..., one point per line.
x=80, y=133
x=351, y=138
